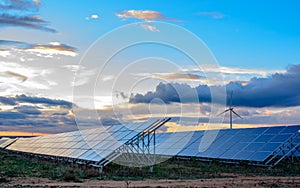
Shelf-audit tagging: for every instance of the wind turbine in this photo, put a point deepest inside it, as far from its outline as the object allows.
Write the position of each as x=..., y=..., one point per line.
x=230, y=109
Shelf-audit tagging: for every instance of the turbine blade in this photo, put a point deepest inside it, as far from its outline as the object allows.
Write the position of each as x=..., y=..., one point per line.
x=231, y=99
x=236, y=114
x=223, y=112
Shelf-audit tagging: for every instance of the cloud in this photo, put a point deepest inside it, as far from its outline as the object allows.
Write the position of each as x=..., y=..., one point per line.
x=8, y=101
x=92, y=17
x=29, y=113
x=22, y=13
x=215, y=15
x=180, y=76
x=28, y=110
x=33, y=22
x=4, y=53
x=53, y=48
x=173, y=76
x=43, y=100
x=32, y=5
x=20, y=76
x=277, y=90
x=12, y=77
x=10, y=43
x=149, y=27
x=145, y=15
x=39, y=114
x=11, y=115
x=35, y=100
x=48, y=50
x=238, y=70
x=228, y=73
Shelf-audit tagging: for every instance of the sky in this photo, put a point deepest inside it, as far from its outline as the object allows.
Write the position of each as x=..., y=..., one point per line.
x=66, y=65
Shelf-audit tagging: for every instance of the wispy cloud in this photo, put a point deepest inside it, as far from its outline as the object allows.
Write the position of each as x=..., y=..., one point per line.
x=53, y=48
x=20, y=76
x=215, y=15
x=173, y=76
x=33, y=22
x=232, y=73
x=145, y=15
x=10, y=43
x=149, y=27
x=32, y=5
x=180, y=76
x=22, y=13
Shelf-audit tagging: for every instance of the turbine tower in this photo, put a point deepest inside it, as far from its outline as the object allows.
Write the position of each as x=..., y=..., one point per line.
x=230, y=109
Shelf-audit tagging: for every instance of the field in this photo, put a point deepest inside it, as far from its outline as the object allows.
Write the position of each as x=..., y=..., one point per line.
x=17, y=170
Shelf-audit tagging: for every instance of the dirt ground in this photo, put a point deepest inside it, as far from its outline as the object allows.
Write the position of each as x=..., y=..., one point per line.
x=234, y=181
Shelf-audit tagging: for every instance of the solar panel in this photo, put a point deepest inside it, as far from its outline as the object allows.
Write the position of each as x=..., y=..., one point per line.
x=252, y=144
x=101, y=144
x=90, y=144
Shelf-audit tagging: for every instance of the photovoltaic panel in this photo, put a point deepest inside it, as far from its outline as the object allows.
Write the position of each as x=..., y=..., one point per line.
x=251, y=144
x=90, y=144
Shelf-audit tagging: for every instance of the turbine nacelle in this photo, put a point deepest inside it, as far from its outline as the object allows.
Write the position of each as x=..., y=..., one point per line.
x=230, y=109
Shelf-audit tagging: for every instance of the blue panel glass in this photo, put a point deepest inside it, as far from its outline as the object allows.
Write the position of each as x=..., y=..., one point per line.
x=264, y=138
x=270, y=146
x=260, y=130
x=244, y=155
x=274, y=130
x=253, y=147
x=259, y=156
x=281, y=138
x=229, y=154
x=290, y=129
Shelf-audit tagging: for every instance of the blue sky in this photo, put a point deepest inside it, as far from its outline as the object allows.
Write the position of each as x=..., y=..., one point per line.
x=248, y=29
x=256, y=45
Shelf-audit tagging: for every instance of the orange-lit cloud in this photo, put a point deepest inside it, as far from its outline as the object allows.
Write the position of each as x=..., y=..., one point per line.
x=179, y=76
x=149, y=27
x=20, y=76
x=19, y=133
x=145, y=15
x=53, y=48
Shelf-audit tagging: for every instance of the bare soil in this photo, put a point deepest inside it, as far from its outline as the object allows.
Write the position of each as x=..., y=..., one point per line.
x=234, y=181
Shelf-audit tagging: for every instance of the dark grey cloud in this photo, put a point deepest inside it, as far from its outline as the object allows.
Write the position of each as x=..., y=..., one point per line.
x=43, y=100
x=35, y=100
x=277, y=90
x=11, y=43
x=11, y=115
x=39, y=114
x=28, y=5
x=27, y=21
x=32, y=110
x=22, y=13
x=7, y=101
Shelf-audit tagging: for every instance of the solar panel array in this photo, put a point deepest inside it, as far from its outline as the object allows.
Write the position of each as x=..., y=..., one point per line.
x=91, y=145
x=250, y=144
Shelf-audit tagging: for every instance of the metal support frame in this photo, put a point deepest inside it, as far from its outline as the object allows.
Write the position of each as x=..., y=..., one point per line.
x=138, y=151
x=286, y=152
